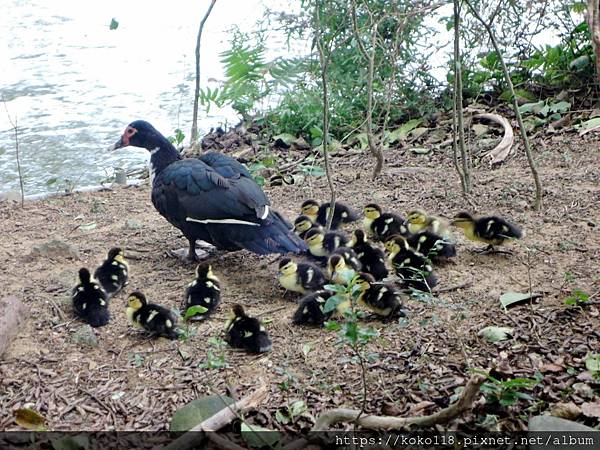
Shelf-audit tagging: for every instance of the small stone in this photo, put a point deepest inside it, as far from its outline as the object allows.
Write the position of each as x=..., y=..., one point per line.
x=133, y=224
x=55, y=249
x=85, y=335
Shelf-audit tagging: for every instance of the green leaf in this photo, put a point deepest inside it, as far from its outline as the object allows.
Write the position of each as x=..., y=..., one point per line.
x=401, y=133
x=332, y=303
x=560, y=107
x=592, y=363
x=281, y=418
x=513, y=298
x=588, y=124
x=363, y=140
x=495, y=334
x=51, y=181
x=30, y=419
x=297, y=408
x=580, y=63
x=113, y=24
x=332, y=326
x=256, y=436
x=194, y=311
x=306, y=349
x=335, y=288
x=315, y=171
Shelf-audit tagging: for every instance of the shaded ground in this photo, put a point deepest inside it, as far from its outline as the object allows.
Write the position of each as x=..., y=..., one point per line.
x=132, y=383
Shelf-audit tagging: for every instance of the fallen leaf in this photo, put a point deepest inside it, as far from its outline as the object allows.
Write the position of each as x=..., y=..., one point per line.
x=591, y=409
x=420, y=150
x=566, y=410
x=30, y=419
x=592, y=362
x=256, y=436
x=495, y=334
x=551, y=368
x=512, y=298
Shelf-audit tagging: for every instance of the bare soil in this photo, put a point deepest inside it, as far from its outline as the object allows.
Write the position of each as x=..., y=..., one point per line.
x=130, y=382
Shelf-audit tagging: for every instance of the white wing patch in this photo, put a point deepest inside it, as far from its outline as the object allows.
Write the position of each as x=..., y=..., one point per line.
x=151, y=316
x=222, y=221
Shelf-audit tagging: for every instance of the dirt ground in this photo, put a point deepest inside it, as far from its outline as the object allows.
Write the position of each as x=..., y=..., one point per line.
x=130, y=382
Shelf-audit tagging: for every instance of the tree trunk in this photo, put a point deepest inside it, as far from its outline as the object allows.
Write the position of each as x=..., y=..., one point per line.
x=593, y=20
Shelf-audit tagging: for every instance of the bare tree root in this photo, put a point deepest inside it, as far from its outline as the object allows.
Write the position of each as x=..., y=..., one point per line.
x=464, y=403
x=499, y=153
x=214, y=423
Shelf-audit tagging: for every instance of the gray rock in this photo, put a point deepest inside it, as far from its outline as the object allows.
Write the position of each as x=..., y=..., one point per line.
x=85, y=335
x=133, y=224
x=55, y=249
x=197, y=411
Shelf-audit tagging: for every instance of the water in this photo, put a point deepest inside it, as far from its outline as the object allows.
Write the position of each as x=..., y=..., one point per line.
x=74, y=85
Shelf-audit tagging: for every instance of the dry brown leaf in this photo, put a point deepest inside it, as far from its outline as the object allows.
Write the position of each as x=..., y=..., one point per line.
x=567, y=411
x=555, y=368
x=591, y=409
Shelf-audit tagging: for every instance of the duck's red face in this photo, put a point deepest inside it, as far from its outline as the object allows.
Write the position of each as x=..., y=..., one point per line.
x=125, y=138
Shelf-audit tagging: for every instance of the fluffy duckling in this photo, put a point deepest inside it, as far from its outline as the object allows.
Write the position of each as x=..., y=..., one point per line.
x=302, y=224
x=382, y=225
x=350, y=257
x=311, y=309
x=383, y=300
x=491, y=230
x=246, y=332
x=90, y=301
x=433, y=246
x=204, y=291
x=113, y=273
x=156, y=319
x=411, y=266
x=300, y=277
x=371, y=258
x=318, y=213
x=418, y=220
x=339, y=270
x=321, y=245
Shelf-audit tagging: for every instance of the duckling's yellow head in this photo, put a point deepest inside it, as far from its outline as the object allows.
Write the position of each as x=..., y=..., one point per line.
x=136, y=300
x=463, y=220
x=417, y=217
x=396, y=243
x=287, y=267
x=204, y=271
x=116, y=254
x=302, y=224
x=336, y=263
x=310, y=208
x=372, y=211
x=314, y=238
x=364, y=280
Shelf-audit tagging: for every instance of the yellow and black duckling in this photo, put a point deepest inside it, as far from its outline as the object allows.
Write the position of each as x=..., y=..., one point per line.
x=155, y=319
x=113, y=273
x=371, y=258
x=381, y=225
x=491, y=230
x=339, y=271
x=318, y=213
x=418, y=220
x=90, y=302
x=321, y=245
x=411, y=266
x=311, y=309
x=300, y=277
x=246, y=332
x=204, y=291
x=350, y=257
x=383, y=300
x=431, y=245
x=302, y=224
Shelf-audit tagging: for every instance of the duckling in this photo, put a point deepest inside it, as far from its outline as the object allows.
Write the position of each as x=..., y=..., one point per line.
x=383, y=300
x=411, y=266
x=300, y=277
x=204, y=291
x=339, y=271
x=246, y=332
x=318, y=213
x=350, y=257
x=431, y=245
x=382, y=225
x=302, y=224
x=492, y=230
x=311, y=309
x=371, y=258
x=156, y=319
x=418, y=220
x=90, y=302
x=321, y=245
x=113, y=273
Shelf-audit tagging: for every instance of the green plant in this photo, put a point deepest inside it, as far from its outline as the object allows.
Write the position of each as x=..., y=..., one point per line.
x=177, y=138
x=509, y=392
x=215, y=354
x=194, y=311
x=290, y=413
x=577, y=298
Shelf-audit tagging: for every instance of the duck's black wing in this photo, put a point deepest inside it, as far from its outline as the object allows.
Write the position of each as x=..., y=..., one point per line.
x=215, y=199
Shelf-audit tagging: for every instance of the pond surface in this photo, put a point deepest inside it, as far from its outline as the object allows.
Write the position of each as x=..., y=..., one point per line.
x=73, y=84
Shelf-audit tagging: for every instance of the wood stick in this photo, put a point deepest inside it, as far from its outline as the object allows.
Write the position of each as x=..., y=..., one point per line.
x=326, y=420
x=214, y=423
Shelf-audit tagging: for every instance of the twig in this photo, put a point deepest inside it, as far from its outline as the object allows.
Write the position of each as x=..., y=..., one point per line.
x=194, y=132
x=214, y=423
x=465, y=402
x=17, y=154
